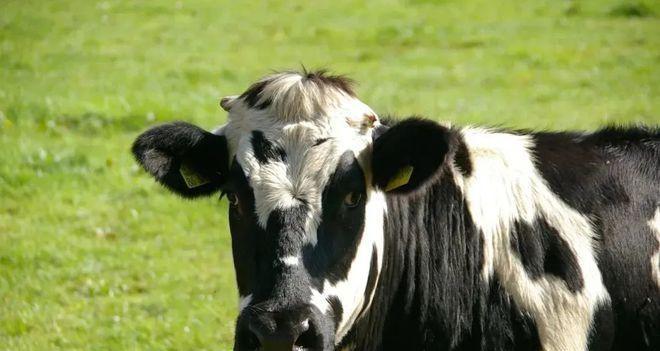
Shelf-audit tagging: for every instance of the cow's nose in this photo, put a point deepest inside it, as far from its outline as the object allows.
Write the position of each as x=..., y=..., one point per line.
x=283, y=331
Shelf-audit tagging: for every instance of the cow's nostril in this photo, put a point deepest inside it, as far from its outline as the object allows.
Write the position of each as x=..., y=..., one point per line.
x=293, y=329
x=307, y=337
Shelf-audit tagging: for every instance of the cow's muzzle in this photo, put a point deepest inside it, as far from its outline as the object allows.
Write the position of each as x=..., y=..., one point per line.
x=262, y=328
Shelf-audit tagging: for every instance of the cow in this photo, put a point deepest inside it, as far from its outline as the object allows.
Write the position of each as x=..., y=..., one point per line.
x=352, y=232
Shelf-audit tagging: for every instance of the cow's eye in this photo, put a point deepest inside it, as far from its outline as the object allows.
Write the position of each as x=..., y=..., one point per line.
x=233, y=199
x=352, y=199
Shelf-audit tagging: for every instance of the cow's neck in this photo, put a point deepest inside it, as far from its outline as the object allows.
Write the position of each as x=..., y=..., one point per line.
x=429, y=283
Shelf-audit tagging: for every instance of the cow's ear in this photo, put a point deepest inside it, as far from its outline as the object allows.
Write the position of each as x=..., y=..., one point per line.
x=185, y=158
x=408, y=155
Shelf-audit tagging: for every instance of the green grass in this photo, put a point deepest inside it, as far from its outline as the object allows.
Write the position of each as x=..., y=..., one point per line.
x=95, y=256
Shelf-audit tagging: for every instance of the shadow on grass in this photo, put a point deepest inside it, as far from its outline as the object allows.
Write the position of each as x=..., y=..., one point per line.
x=627, y=10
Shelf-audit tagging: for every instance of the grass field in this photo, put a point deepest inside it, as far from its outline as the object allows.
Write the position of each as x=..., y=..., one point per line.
x=95, y=256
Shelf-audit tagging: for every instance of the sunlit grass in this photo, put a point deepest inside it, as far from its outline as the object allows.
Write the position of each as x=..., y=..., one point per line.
x=95, y=256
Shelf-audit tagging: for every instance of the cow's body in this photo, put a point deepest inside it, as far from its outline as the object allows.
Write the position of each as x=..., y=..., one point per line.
x=527, y=241
x=350, y=233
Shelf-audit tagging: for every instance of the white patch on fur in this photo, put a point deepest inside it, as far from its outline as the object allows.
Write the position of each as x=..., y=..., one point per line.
x=317, y=299
x=654, y=223
x=291, y=260
x=504, y=187
x=244, y=301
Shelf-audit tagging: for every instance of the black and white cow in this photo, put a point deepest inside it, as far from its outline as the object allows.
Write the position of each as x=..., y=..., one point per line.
x=353, y=233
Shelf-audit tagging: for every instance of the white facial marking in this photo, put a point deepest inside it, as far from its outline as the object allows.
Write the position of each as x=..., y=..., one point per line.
x=505, y=187
x=654, y=223
x=244, y=301
x=290, y=260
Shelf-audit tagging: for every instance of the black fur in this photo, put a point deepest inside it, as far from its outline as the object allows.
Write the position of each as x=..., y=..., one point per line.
x=162, y=150
x=253, y=94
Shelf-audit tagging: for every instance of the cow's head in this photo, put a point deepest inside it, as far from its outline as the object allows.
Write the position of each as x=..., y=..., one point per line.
x=305, y=166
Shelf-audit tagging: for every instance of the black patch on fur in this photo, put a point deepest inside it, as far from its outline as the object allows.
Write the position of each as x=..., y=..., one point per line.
x=337, y=309
x=287, y=227
x=264, y=150
x=320, y=141
x=245, y=234
x=162, y=150
x=341, y=227
x=253, y=94
x=543, y=251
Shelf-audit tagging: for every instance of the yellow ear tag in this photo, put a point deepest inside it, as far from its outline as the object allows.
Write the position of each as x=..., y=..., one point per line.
x=401, y=178
x=192, y=178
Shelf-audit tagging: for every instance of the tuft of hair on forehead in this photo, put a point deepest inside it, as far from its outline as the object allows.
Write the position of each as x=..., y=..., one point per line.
x=296, y=96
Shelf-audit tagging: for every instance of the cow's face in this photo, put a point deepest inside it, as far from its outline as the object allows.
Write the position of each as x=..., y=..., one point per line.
x=306, y=211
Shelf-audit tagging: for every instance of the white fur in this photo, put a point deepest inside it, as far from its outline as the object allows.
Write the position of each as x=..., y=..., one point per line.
x=244, y=301
x=504, y=187
x=319, y=301
x=654, y=223
x=291, y=260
